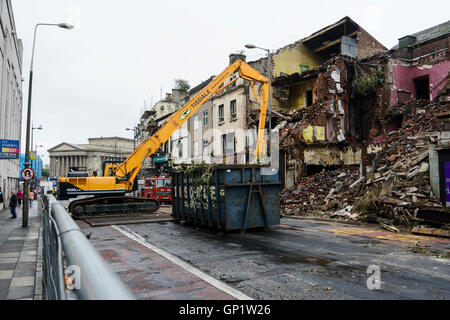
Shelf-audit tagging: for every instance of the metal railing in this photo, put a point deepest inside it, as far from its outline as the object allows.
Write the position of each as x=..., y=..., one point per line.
x=53, y=275
x=72, y=267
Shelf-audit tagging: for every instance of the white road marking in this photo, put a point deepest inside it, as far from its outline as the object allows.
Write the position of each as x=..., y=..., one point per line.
x=216, y=283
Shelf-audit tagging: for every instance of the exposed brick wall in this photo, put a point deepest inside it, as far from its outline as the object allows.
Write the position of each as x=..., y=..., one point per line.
x=367, y=45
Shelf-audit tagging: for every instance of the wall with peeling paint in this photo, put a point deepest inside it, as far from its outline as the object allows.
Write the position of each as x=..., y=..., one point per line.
x=331, y=155
x=297, y=94
x=403, y=79
x=289, y=59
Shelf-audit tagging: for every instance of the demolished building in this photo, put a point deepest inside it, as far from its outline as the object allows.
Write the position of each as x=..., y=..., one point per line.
x=393, y=115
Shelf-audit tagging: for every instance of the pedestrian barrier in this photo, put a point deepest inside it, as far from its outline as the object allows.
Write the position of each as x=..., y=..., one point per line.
x=72, y=268
x=53, y=276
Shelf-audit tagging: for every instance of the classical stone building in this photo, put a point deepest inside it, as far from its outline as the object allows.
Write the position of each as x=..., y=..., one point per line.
x=10, y=95
x=92, y=155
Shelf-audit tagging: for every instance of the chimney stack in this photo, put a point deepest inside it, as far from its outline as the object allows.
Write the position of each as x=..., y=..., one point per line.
x=236, y=56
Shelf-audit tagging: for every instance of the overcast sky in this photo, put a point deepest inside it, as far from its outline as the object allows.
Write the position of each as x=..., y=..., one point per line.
x=93, y=80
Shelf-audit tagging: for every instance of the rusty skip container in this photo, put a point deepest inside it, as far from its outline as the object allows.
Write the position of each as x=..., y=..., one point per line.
x=229, y=197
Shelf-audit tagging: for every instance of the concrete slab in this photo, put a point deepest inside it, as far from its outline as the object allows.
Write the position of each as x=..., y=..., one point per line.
x=10, y=254
x=22, y=282
x=8, y=260
x=4, y=287
x=28, y=253
x=7, y=266
x=25, y=269
x=16, y=293
x=6, y=274
x=27, y=259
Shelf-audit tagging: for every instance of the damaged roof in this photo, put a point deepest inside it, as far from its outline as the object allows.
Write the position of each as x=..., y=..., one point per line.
x=327, y=40
x=428, y=34
x=344, y=27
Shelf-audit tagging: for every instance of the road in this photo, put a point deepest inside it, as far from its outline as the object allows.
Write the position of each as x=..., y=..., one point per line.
x=297, y=260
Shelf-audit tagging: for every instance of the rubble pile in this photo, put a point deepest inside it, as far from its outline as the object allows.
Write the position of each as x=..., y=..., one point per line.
x=396, y=188
x=320, y=192
x=399, y=185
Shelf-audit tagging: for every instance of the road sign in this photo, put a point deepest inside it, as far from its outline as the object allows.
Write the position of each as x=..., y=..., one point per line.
x=27, y=174
x=9, y=149
x=161, y=158
x=32, y=155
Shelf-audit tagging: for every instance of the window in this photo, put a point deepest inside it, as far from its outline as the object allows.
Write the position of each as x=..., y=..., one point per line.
x=180, y=149
x=205, y=118
x=224, y=144
x=195, y=148
x=221, y=113
x=422, y=86
x=205, y=146
x=228, y=143
x=196, y=122
x=309, y=98
x=231, y=79
x=233, y=109
x=163, y=183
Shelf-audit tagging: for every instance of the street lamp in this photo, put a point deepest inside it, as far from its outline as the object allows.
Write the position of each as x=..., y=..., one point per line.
x=32, y=134
x=134, y=136
x=269, y=79
x=27, y=163
x=32, y=130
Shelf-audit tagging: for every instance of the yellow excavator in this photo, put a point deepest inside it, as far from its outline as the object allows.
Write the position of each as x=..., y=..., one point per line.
x=109, y=191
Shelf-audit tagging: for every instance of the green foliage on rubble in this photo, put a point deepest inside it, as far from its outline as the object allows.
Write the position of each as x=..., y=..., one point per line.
x=200, y=186
x=365, y=83
x=364, y=204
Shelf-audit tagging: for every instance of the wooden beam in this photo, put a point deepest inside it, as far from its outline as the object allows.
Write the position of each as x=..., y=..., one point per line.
x=332, y=43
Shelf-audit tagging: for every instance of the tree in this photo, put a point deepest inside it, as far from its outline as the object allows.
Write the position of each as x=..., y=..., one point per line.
x=182, y=85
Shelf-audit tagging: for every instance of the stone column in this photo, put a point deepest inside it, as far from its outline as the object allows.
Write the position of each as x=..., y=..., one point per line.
x=58, y=166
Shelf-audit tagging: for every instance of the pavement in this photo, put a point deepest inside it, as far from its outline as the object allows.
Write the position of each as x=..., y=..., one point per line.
x=21, y=255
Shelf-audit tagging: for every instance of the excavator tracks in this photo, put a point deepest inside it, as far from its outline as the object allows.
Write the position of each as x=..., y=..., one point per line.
x=112, y=206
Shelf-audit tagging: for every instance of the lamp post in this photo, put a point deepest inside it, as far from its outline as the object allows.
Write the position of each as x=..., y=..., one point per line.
x=32, y=134
x=27, y=163
x=134, y=136
x=269, y=79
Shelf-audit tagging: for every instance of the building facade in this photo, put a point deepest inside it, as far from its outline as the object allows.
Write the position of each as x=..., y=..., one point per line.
x=10, y=95
x=200, y=126
x=90, y=156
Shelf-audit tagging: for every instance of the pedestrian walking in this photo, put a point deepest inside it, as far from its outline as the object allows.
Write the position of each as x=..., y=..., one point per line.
x=35, y=194
x=13, y=204
x=1, y=195
x=19, y=197
x=31, y=198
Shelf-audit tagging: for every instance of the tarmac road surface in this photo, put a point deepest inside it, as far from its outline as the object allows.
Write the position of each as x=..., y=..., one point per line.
x=296, y=260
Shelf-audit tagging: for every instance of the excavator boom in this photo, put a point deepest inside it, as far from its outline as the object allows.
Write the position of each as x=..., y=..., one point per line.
x=125, y=173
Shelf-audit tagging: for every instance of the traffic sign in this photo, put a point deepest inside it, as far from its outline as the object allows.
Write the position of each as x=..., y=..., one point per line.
x=27, y=174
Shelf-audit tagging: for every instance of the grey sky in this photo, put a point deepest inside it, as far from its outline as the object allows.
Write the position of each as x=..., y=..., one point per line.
x=92, y=81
